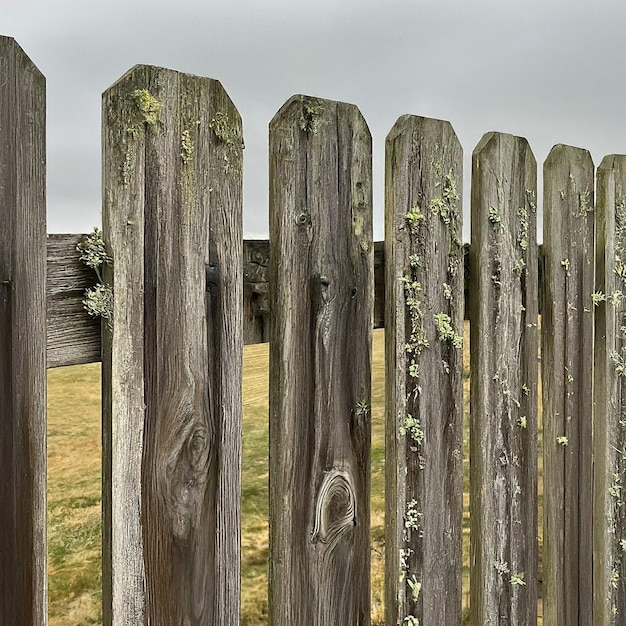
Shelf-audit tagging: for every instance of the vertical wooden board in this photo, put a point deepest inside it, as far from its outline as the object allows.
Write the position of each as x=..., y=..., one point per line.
x=503, y=392
x=321, y=280
x=424, y=360
x=567, y=360
x=609, y=422
x=23, y=595
x=177, y=166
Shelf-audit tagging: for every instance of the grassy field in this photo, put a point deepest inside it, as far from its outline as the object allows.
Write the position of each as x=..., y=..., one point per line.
x=74, y=533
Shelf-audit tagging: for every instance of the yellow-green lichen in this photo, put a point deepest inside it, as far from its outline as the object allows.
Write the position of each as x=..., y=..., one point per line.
x=414, y=217
x=415, y=587
x=93, y=252
x=311, y=112
x=186, y=146
x=147, y=105
x=524, y=224
x=413, y=428
x=584, y=203
x=98, y=301
x=412, y=517
x=446, y=207
x=229, y=135
x=445, y=331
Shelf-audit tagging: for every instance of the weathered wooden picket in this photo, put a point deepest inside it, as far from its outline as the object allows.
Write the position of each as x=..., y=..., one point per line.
x=188, y=293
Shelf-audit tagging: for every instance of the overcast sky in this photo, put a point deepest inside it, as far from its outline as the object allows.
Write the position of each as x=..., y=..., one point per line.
x=549, y=70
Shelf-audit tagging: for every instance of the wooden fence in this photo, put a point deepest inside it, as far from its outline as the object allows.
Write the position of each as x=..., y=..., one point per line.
x=188, y=293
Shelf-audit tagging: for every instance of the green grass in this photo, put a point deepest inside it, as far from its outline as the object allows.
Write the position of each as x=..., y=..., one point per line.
x=74, y=532
x=74, y=528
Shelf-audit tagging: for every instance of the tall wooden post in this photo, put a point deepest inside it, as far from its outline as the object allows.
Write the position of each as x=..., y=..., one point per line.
x=503, y=394
x=172, y=352
x=609, y=394
x=567, y=372
x=424, y=375
x=321, y=281
x=22, y=339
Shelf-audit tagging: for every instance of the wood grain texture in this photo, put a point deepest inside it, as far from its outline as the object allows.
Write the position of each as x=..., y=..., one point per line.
x=567, y=366
x=23, y=594
x=73, y=336
x=424, y=361
x=609, y=425
x=503, y=392
x=321, y=281
x=172, y=219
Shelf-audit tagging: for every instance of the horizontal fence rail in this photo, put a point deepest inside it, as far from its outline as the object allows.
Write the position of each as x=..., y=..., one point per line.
x=181, y=294
x=74, y=336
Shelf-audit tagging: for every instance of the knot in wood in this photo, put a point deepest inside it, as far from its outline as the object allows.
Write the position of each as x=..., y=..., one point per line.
x=303, y=218
x=335, y=508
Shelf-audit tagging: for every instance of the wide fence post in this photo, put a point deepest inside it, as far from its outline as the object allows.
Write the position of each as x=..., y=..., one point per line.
x=172, y=351
x=567, y=372
x=609, y=426
x=23, y=595
x=424, y=373
x=321, y=282
x=503, y=427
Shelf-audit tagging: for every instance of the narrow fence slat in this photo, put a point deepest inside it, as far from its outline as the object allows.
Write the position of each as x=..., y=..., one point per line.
x=172, y=363
x=609, y=426
x=23, y=595
x=321, y=280
x=567, y=365
x=503, y=397
x=424, y=373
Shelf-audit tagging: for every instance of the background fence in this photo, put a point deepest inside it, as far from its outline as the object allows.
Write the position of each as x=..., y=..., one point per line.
x=187, y=294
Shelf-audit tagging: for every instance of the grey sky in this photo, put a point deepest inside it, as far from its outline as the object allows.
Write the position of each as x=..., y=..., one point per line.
x=551, y=71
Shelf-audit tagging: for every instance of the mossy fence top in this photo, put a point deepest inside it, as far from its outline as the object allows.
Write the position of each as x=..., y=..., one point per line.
x=182, y=293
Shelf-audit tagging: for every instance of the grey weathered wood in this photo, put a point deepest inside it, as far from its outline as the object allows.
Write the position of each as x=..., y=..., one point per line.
x=256, y=306
x=424, y=373
x=567, y=364
x=321, y=278
x=503, y=427
x=609, y=425
x=22, y=338
x=172, y=367
x=73, y=336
